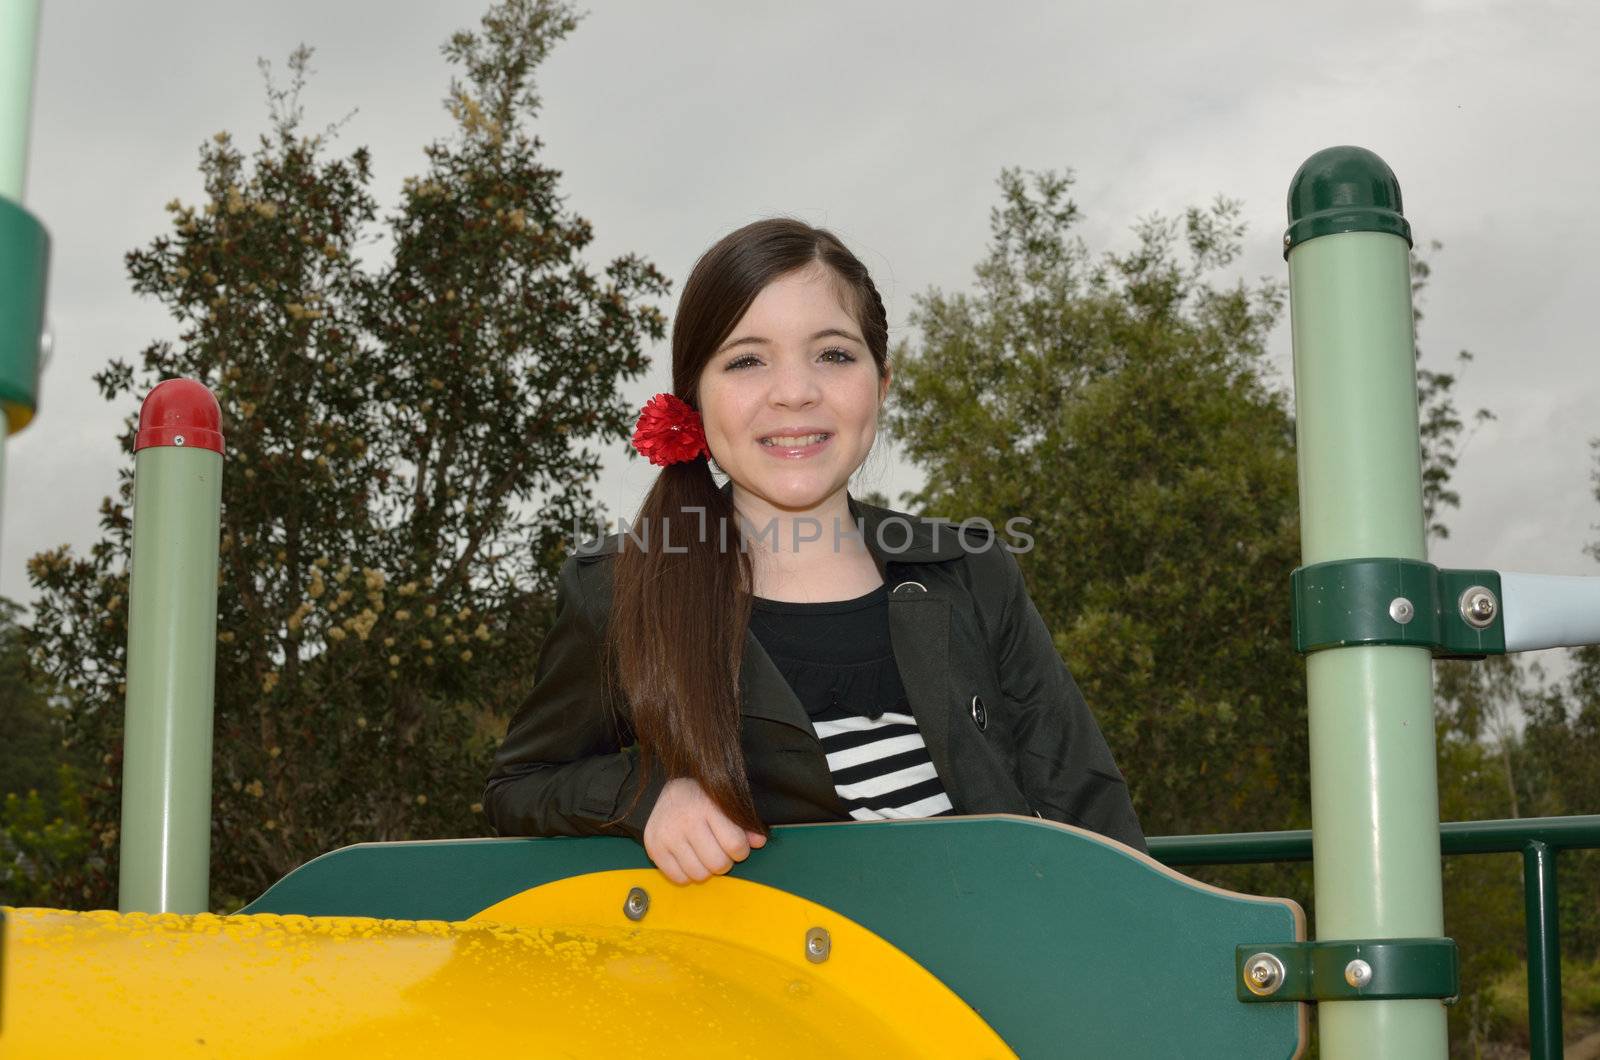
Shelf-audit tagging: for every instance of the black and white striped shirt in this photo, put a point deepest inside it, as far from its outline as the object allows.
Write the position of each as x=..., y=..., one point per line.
x=838, y=658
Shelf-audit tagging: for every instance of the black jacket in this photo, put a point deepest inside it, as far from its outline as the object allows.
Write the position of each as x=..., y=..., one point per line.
x=1005, y=725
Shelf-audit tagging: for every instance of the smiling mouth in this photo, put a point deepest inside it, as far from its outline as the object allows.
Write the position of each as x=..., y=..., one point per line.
x=794, y=441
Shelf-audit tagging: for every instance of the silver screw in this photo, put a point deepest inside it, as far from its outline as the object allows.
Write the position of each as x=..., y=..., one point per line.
x=1358, y=973
x=1263, y=974
x=1478, y=607
x=637, y=905
x=177, y=439
x=1401, y=611
x=818, y=945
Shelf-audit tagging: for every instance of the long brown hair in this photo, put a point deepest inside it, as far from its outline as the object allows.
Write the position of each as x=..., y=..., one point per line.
x=679, y=619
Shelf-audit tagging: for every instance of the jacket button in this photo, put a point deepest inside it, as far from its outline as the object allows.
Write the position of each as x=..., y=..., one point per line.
x=910, y=587
x=979, y=715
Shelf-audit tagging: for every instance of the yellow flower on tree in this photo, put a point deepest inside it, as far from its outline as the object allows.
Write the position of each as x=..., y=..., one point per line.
x=362, y=624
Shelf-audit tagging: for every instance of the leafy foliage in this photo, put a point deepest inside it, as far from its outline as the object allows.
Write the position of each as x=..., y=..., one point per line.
x=42, y=823
x=407, y=443
x=1440, y=423
x=1121, y=404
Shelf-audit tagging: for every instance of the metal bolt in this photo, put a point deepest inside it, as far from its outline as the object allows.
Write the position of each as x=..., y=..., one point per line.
x=1358, y=973
x=1478, y=607
x=1263, y=974
x=637, y=905
x=818, y=945
x=177, y=439
x=1401, y=611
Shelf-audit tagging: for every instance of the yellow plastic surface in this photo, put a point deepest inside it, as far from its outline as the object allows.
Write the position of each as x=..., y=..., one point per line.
x=712, y=970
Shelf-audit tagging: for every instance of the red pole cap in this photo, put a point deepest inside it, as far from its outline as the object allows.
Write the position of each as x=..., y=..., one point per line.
x=180, y=412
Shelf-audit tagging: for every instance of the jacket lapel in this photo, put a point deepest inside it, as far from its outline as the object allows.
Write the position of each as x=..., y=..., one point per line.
x=765, y=692
x=919, y=630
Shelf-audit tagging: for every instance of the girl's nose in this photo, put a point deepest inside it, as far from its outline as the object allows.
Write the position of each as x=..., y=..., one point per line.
x=794, y=385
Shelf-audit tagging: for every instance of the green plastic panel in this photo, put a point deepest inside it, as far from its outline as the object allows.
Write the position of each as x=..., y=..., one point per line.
x=1347, y=602
x=24, y=265
x=1066, y=945
x=1399, y=969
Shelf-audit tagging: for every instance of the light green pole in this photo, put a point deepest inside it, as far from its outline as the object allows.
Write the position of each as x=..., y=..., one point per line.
x=24, y=248
x=1374, y=793
x=19, y=29
x=172, y=637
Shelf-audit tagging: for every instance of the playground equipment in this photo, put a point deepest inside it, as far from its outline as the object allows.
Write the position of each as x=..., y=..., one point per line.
x=24, y=244
x=977, y=936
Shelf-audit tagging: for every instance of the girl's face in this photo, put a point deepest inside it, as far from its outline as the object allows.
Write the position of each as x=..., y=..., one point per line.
x=793, y=368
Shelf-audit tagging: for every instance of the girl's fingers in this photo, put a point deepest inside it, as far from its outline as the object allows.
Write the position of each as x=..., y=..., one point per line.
x=670, y=868
x=733, y=840
x=694, y=868
x=705, y=844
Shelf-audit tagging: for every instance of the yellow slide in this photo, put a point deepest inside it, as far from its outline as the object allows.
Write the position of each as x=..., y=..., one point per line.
x=619, y=963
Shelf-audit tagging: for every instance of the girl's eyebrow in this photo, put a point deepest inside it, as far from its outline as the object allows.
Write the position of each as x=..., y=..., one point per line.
x=757, y=340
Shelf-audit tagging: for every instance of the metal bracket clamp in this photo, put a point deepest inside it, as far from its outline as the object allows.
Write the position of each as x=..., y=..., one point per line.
x=1348, y=970
x=1453, y=613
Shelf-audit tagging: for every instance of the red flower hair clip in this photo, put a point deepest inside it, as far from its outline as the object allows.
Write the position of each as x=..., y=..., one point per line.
x=669, y=431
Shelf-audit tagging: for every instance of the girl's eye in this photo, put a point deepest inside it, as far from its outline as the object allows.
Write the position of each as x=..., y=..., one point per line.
x=837, y=354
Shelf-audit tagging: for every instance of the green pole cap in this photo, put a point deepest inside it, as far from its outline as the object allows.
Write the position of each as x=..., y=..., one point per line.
x=1343, y=189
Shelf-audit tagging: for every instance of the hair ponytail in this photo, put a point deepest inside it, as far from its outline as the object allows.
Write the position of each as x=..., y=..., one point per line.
x=678, y=623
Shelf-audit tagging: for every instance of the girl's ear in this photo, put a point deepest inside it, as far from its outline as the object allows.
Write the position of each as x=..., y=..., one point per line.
x=883, y=387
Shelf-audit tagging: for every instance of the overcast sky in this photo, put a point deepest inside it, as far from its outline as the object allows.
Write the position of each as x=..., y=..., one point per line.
x=887, y=122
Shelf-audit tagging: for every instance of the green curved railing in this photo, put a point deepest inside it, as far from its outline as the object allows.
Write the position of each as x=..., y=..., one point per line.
x=1537, y=839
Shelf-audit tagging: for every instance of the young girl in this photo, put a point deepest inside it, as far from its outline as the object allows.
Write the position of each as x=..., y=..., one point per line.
x=774, y=651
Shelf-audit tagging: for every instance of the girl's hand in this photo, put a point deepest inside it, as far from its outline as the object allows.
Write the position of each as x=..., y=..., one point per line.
x=690, y=838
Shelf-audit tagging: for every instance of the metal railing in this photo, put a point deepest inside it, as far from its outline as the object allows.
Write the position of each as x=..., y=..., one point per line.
x=1537, y=839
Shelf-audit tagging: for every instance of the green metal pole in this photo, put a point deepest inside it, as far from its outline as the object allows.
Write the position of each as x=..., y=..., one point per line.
x=172, y=636
x=1374, y=794
x=23, y=246
x=1544, y=951
x=19, y=29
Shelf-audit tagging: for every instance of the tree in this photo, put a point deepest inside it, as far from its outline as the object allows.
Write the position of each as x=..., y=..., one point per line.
x=1121, y=403
x=32, y=729
x=42, y=826
x=406, y=445
x=1441, y=424
x=1563, y=739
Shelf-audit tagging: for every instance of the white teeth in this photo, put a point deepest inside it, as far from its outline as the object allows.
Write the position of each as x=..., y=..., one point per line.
x=793, y=441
